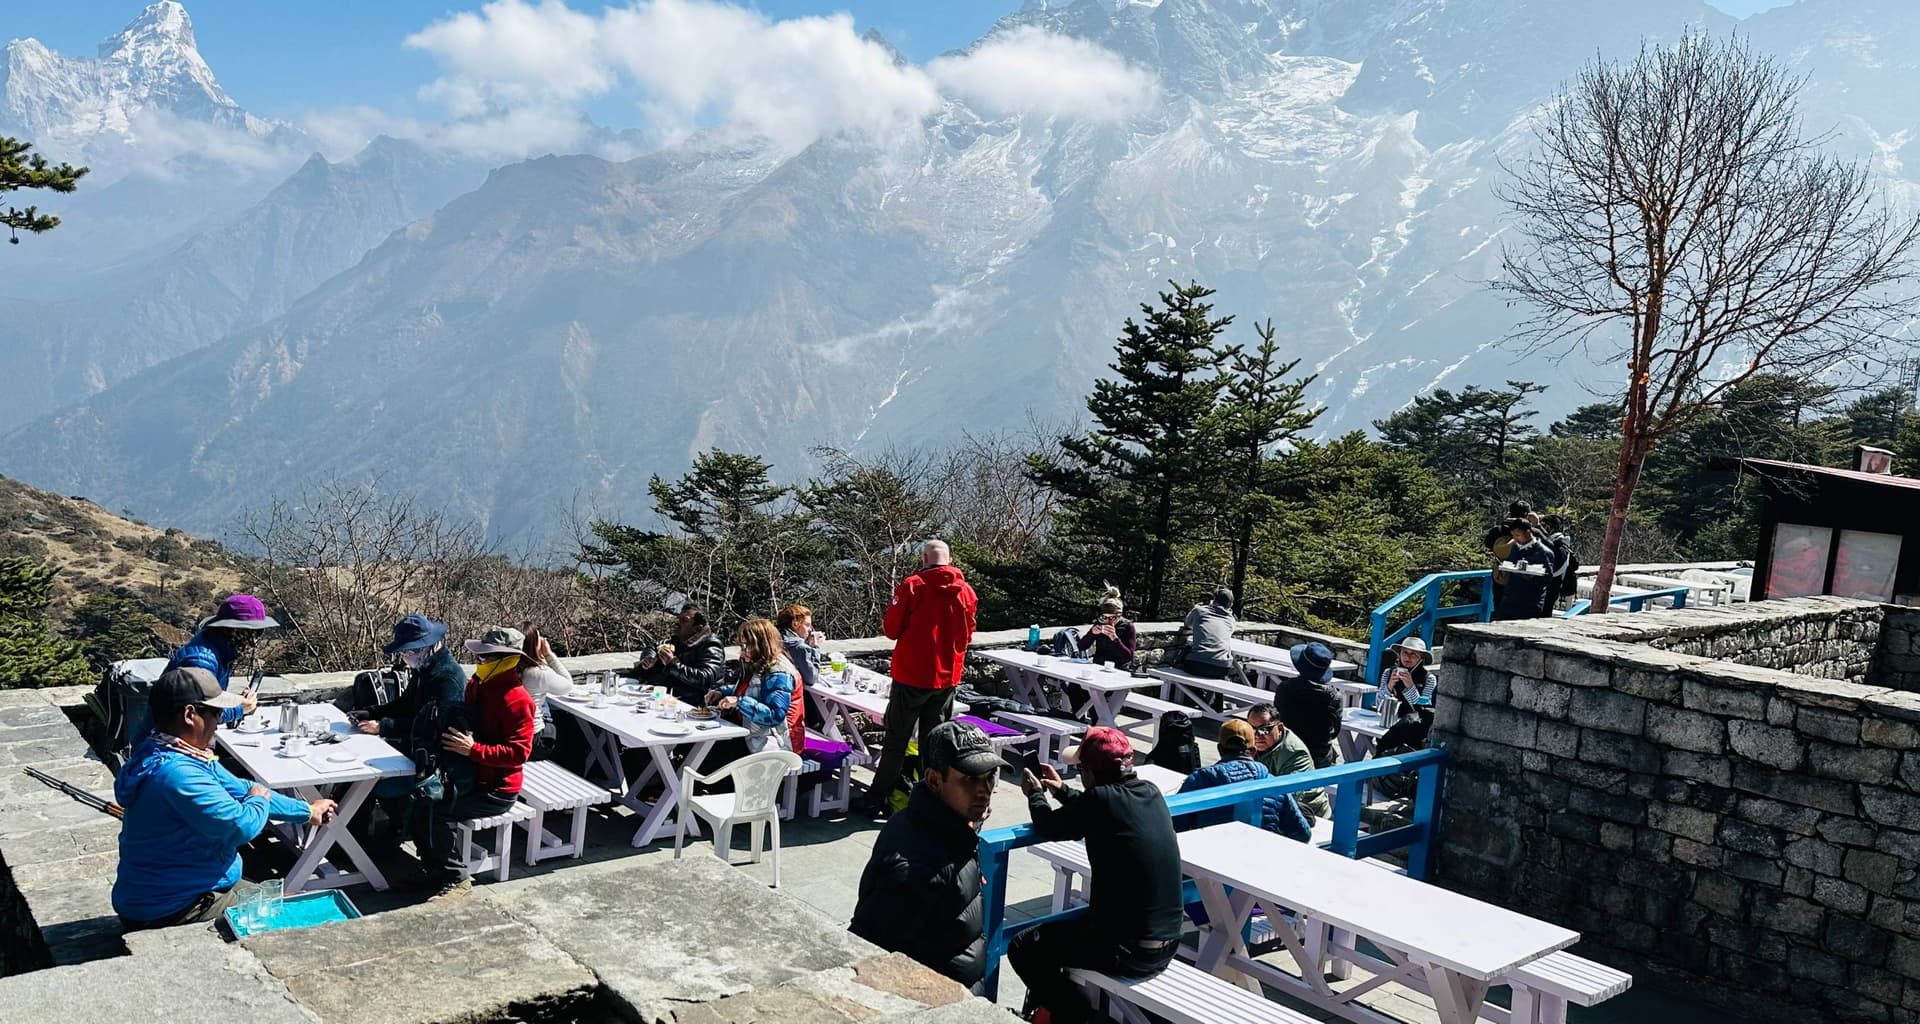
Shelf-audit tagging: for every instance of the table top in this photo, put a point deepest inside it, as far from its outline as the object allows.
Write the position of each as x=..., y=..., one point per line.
x=1104, y=679
x=859, y=700
x=1363, y=720
x=357, y=758
x=1462, y=934
x=637, y=728
x=1168, y=780
x=1277, y=655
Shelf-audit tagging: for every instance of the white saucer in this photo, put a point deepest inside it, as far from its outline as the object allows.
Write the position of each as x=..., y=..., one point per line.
x=671, y=729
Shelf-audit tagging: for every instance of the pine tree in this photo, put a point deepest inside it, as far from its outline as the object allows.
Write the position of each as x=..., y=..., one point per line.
x=30, y=654
x=1260, y=412
x=110, y=628
x=1144, y=478
x=20, y=170
x=736, y=551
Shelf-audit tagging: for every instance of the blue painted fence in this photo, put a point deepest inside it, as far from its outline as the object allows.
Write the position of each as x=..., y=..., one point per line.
x=1431, y=591
x=1632, y=602
x=1420, y=837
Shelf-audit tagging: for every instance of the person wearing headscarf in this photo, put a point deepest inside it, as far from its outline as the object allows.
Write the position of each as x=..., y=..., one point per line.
x=504, y=723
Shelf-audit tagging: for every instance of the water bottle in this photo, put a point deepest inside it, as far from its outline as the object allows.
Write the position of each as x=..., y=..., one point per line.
x=1033, y=637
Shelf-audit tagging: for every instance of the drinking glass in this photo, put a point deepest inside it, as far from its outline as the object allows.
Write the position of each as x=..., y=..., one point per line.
x=837, y=662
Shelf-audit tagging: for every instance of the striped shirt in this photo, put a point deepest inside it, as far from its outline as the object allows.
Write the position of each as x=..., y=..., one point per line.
x=1424, y=682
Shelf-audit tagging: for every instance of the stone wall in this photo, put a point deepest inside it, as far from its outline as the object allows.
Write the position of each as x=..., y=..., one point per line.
x=1898, y=662
x=1753, y=830
x=1826, y=640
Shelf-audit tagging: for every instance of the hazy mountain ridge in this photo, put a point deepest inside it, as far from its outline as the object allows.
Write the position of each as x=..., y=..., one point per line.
x=573, y=325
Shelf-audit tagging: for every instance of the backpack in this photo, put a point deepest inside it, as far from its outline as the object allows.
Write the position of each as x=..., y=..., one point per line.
x=1175, y=749
x=119, y=701
x=1066, y=644
x=376, y=687
x=910, y=775
x=1570, y=583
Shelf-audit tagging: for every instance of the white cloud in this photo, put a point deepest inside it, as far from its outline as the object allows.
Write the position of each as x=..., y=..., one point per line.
x=1032, y=71
x=515, y=74
x=512, y=53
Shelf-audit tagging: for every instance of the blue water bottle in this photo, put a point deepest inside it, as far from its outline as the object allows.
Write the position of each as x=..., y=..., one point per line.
x=1033, y=637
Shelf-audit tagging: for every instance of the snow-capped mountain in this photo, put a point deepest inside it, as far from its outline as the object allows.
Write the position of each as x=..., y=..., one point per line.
x=573, y=325
x=90, y=110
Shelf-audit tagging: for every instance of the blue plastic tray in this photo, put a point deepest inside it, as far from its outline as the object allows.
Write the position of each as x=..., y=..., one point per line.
x=304, y=910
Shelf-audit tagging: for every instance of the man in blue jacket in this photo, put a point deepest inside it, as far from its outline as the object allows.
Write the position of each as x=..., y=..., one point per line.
x=186, y=816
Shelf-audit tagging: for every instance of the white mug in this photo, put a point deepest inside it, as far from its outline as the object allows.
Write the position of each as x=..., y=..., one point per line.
x=296, y=744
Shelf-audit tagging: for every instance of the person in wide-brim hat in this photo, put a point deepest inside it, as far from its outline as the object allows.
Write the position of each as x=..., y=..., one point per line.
x=1414, y=644
x=240, y=611
x=498, y=641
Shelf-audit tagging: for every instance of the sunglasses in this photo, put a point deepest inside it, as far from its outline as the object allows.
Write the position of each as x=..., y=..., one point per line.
x=1262, y=730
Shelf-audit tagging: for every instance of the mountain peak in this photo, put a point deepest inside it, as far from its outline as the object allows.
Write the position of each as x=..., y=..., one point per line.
x=163, y=25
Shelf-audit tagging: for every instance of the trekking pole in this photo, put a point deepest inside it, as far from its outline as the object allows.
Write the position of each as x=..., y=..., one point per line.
x=81, y=795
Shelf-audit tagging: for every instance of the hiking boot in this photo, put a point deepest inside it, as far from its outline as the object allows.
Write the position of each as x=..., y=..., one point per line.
x=452, y=890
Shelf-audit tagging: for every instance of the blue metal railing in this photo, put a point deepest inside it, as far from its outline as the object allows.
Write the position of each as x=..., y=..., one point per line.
x=1420, y=837
x=1633, y=602
x=1431, y=590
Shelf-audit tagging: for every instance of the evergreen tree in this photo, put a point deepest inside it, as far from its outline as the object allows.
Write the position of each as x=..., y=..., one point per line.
x=867, y=517
x=1875, y=419
x=736, y=551
x=111, y=628
x=1260, y=412
x=30, y=654
x=19, y=168
x=1472, y=438
x=1144, y=478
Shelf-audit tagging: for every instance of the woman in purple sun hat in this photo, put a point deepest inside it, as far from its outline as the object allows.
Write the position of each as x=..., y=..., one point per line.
x=225, y=639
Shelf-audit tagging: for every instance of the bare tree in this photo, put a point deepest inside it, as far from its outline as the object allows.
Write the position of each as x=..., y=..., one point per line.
x=1677, y=201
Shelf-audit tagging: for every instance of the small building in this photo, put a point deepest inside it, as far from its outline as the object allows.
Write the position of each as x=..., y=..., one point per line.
x=1846, y=532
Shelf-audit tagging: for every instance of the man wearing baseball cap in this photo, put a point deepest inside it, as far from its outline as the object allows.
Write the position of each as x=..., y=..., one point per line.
x=920, y=893
x=1132, y=925
x=186, y=816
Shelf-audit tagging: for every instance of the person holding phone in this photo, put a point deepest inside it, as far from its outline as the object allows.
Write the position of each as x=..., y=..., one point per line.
x=1134, y=908
x=1111, y=638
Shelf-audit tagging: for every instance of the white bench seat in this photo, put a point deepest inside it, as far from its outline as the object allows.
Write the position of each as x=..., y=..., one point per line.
x=548, y=788
x=1543, y=988
x=1187, y=995
x=1176, y=684
x=1049, y=734
x=1147, y=730
x=475, y=858
x=1070, y=867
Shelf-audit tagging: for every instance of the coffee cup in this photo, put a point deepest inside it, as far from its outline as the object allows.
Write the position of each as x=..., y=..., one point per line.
x=296, y=744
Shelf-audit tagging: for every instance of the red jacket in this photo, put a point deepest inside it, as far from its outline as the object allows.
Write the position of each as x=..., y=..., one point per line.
x=931, y=621
x=503, y=728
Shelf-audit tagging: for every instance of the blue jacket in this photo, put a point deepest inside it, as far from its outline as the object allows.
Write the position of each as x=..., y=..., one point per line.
x=213, y=653
x=764, y=706
x=186, y=820
x=1277, y=814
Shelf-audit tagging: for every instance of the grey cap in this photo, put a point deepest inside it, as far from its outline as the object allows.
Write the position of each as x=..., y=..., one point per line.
x=180, y=687
x=499, y=640
x=962, y=746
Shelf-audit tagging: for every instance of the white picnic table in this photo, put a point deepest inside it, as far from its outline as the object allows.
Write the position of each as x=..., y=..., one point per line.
x=622, y=725
x=1247, y=650
x=1360, y=730
x=1106, y=688
x=345, y=771
x=840, y=702
x=1457, y=945
x=1166, y=780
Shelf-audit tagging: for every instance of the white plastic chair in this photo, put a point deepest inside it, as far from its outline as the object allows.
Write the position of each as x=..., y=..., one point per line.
x=754, y=802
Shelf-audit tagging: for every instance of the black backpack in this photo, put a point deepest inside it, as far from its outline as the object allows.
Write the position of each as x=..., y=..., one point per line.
x=1570, y=583
x=1175, y=749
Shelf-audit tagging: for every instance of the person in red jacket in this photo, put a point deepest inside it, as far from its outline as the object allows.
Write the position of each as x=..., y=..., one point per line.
x=504, y=723
x=931, y=623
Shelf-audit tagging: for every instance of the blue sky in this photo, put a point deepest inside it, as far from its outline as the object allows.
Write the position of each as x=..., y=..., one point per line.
x=282, y=58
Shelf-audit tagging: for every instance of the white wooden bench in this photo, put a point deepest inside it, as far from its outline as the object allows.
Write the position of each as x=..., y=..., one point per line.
x=1049, y=734
x=475, y=858
x=1192, y=690
x=1543, y=988
x=1183, y=994
x=1147, y=730
x=548, y=788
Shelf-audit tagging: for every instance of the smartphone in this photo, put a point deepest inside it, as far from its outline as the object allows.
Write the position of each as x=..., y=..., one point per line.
x=1032, y=763
x=253, y=686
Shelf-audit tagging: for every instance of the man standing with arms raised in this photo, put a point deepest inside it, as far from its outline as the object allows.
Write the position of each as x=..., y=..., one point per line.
x=931, y=622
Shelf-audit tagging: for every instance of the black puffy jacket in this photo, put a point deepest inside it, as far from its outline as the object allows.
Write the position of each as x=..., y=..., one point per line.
x=699, y=665
x=921, y=893
x=1311, y=711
